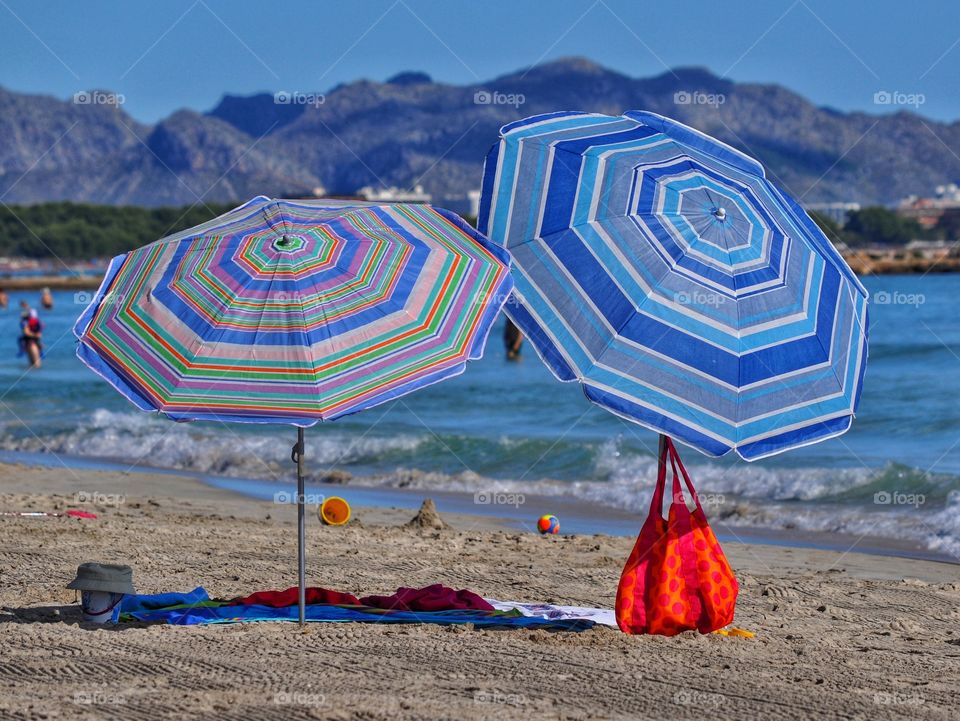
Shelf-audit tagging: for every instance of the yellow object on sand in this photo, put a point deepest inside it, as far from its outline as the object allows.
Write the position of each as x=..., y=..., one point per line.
x=735, y=632
x=334, y=511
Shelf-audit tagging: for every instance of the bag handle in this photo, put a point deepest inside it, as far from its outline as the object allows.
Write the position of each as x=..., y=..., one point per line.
x=656, y=502
x=674, y=463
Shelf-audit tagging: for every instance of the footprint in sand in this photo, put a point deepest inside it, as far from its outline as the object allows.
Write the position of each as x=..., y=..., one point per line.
x=785, y=593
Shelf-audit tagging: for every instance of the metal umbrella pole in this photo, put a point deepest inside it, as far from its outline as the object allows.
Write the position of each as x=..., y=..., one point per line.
x=297, y=457
x=662, y=457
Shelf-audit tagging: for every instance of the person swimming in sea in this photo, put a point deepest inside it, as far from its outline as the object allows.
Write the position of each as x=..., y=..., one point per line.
x=46, y=299
x=31, y=334
x=4, y=299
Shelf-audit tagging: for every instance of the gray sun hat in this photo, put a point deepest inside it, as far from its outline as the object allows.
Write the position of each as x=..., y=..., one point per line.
x=108, y=577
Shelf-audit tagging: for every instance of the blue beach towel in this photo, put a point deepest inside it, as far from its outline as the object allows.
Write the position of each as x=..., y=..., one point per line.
x=209, y=613
x=134, y=604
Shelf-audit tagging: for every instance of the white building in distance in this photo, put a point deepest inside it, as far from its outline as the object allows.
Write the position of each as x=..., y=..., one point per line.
x=395, y=195
x=837, y=212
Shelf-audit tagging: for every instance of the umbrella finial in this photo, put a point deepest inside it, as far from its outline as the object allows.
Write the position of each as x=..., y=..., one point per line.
x=720, y=213
x=288, y=243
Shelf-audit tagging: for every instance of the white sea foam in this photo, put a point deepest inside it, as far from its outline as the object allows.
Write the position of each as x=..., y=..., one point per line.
x=736, y=493
x=144, y=439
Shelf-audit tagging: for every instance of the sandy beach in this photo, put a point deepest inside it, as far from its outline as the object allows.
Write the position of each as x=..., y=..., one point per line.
x=837, y=635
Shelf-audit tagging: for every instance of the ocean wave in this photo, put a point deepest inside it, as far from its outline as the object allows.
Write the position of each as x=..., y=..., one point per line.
x=931, y=521
x=145, y=439
x=893, y=501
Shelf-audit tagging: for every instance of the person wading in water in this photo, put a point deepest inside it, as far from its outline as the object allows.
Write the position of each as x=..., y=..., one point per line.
x=31, y=334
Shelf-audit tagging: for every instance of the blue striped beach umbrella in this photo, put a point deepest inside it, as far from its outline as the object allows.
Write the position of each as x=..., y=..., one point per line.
x=661, y=269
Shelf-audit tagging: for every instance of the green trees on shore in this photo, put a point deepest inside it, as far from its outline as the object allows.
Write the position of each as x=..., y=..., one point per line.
x=76, y=231
x=877, y=225
x=79, y=231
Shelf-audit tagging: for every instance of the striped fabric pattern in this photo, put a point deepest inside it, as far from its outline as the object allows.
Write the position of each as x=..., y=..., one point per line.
x=284, y=311
x=661, y=269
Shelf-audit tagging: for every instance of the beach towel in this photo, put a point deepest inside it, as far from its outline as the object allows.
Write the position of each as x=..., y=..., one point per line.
x=676, y=578
x=202, y=614
x=429, y=598
x=136, y=603
x=281, y=599
x=603, y=616
x=431, y=604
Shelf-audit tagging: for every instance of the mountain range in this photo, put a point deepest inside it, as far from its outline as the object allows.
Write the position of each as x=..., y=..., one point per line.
x=411, y=130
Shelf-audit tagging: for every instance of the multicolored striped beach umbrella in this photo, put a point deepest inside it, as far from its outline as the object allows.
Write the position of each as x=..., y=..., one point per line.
x=285, y=311
x=295, y=311
x=661, y=269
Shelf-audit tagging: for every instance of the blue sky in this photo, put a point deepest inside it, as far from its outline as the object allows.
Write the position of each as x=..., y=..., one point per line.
x=186, y=53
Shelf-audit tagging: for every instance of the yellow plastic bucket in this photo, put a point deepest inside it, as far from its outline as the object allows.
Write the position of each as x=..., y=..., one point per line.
x=334, y=511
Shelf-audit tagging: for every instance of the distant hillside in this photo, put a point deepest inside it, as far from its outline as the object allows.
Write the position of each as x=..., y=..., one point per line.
x=411, y=129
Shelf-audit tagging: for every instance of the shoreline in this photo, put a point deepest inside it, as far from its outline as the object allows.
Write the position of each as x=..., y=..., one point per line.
x=577, y=516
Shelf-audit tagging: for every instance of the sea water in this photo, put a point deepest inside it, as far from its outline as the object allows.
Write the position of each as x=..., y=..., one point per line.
x=510, y=428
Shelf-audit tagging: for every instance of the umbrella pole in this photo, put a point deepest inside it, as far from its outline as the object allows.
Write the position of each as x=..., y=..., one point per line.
x=662, y=456
x=301, y=549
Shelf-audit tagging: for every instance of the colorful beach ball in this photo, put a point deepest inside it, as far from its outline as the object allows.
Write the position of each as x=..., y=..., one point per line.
x=548, y=524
